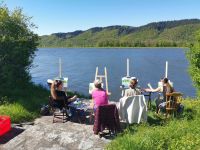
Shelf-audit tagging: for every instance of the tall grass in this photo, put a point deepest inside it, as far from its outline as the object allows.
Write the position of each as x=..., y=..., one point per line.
x=23, y=104
x=177, y=133
x=17, y=112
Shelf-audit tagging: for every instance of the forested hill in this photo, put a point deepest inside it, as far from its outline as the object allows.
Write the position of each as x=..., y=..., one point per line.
x=156, y=34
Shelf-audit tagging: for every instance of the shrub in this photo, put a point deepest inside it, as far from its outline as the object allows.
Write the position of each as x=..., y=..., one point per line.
x=194, y=59
x=17, y=47
x=17, y=112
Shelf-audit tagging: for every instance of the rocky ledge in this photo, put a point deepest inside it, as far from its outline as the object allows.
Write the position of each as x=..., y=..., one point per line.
x=45, y=135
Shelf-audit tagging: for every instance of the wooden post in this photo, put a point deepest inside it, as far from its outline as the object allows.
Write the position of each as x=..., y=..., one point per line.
x=106, y=79
x=96, y=74
x=60, y=67
x=166, y=69
x=127, y=69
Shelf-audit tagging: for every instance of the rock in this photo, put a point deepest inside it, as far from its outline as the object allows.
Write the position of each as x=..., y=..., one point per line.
x=45, y=135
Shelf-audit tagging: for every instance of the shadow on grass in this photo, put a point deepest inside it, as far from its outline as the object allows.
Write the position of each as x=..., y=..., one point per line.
x=10, y=135
x=189, y=114
x=155, y=121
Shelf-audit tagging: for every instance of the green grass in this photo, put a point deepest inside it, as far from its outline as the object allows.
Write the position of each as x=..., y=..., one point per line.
x=182, y=132
x=179, y=133
x=17, y=112
x=23, y=104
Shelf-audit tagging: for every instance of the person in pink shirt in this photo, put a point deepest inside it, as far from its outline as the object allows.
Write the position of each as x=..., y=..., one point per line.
x=99, y=95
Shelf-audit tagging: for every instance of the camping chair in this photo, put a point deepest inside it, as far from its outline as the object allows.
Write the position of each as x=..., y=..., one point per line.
x=57, y=113
x=173, y=100
x=106, y=117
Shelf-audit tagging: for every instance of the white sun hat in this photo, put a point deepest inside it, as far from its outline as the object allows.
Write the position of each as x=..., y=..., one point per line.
x=134, y=78
x=49, y=81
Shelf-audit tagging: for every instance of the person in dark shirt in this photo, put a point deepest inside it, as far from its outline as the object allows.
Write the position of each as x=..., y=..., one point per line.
x=60, y=98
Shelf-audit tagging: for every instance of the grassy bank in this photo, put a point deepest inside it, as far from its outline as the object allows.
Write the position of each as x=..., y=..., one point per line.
x=24, y=104
x=179, y=133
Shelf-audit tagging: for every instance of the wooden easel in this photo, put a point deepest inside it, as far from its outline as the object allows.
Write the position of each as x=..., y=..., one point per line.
x=100, y=77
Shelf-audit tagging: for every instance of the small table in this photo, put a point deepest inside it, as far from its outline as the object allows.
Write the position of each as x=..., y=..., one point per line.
x=79, y=109
x=133, y=109
x=148, y=94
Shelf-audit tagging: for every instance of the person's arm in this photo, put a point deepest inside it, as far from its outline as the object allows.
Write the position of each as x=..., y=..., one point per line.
x=72, y=98
x=53, y=92
x=92, y=102
x=153, y=90
x=106, y=98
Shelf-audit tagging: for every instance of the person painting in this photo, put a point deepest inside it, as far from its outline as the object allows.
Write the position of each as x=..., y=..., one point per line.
x=99, y=95
x=166, y=89
x=133, y=90
x=60, y=98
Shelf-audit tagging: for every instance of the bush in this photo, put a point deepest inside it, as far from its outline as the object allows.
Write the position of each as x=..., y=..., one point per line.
x=19, y=98
x=17, y=47
x=17, y=112
x=194, y=59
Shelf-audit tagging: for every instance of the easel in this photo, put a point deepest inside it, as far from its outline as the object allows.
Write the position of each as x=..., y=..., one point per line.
x=100, y=77
x=61, y=77
x=127, y=78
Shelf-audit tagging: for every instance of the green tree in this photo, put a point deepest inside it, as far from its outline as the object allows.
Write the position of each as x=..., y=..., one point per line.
x=194, y=59
x=18, y=44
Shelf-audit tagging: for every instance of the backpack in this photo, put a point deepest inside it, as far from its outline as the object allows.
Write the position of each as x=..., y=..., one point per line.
x=45, y=110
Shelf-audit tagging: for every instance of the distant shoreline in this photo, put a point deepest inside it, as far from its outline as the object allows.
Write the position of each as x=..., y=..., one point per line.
x=114, y=47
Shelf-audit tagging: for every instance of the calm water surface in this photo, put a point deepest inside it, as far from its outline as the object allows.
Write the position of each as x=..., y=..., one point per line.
x=78, y=64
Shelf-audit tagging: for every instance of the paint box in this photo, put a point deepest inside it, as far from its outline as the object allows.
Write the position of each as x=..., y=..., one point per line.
x=5, y=124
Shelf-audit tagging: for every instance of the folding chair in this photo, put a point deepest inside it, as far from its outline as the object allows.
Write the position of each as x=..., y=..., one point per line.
x=172, y=102
x=57, y=113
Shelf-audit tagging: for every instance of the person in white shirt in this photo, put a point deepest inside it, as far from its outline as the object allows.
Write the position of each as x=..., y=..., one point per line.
x=133, y=90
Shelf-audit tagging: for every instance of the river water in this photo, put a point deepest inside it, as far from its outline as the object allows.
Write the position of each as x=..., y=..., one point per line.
x=78, y=64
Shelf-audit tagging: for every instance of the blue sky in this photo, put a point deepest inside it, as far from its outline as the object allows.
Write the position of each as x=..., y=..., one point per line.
x=69, y=15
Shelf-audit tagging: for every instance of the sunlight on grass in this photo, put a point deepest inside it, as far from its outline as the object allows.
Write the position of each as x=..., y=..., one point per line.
x=17, y=112
x=178, y=133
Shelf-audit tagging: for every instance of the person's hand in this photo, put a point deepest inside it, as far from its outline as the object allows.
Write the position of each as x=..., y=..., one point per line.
x=74, y=97
x=143, y=90
x=91, y=105
x=147, y=90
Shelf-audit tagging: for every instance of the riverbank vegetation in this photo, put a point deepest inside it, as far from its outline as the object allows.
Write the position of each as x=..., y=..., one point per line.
x=178, y=33
x=177, y=133
x=163, y=134
x=194, y=59
x=19, y=97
